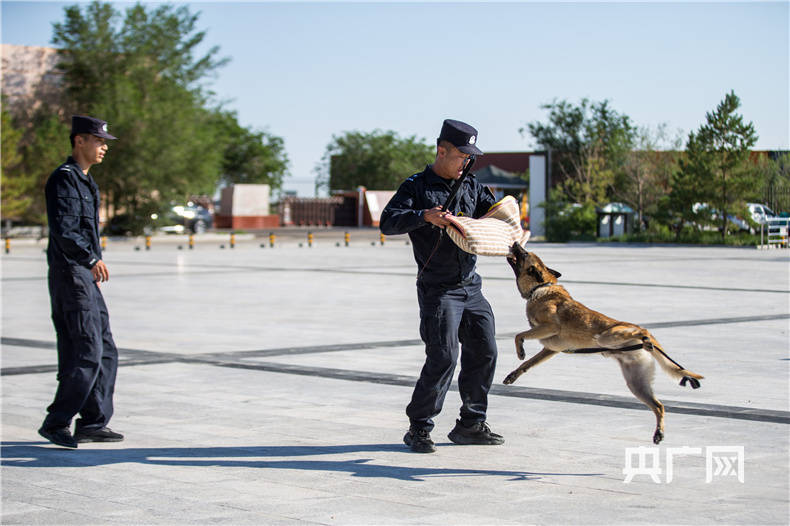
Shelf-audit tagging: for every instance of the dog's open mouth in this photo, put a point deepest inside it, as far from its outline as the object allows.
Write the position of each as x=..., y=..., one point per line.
x=513, y=256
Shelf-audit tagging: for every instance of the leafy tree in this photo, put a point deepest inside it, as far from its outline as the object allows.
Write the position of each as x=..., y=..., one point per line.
x=250, y=156
x=141, y=76
x=569, y=221
x=676, y=209
x=718, y=155
x=32, y=149
x=141, y=72
x=588, y=144
x=376, y=160
x=773, y=176
x=647, y=171
x=48, y=148
x=17, y=185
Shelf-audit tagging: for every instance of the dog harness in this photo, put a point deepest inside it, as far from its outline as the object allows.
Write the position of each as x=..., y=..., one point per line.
x=592, y=350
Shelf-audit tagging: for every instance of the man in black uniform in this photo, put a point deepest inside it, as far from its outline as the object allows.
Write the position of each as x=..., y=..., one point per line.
x=87, y=356
x=452, y=306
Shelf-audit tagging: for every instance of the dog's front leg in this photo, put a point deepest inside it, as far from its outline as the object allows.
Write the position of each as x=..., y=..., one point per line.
x=535, y=333
x=542, y=356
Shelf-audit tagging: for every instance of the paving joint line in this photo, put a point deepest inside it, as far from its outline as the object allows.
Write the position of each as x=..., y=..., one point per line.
x=221, y=360
x=224, y=269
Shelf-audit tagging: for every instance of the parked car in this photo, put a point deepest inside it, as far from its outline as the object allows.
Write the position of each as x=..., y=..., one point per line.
x=128, y=225
x=760, y=213
x=185, y=219
x=712, y=218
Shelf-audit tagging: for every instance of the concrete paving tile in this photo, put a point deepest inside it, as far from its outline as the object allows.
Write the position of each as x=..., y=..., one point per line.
x=233, y=445
x=15, y=356
x=48, y=517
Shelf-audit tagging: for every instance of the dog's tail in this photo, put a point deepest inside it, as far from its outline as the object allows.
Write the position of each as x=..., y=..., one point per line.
x=670, y=366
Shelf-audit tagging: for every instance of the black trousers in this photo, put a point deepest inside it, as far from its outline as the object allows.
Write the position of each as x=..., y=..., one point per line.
x=448, y=317
x=87, y=356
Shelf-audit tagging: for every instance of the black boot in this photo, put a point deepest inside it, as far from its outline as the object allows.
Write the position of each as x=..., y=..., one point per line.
x=60, y=436
x=477, y=434
x=419, y=440
x=104, y=434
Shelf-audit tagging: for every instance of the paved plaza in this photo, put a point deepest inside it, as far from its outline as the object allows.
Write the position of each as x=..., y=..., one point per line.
x=264, y=385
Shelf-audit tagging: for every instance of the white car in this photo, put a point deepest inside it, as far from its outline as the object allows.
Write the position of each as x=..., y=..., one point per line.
x=712, y=215
x=760, y=213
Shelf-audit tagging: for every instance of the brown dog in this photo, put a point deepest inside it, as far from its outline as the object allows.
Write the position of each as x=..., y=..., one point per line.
x=565, y=325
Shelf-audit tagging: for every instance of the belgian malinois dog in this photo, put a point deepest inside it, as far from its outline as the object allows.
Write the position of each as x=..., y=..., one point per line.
x=565, y=325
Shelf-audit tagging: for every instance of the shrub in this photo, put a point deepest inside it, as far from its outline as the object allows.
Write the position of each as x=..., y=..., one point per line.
x=570, y=222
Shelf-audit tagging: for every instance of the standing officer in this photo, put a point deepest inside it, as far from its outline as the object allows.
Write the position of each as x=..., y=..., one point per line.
x=452, y=306
x=87, y=356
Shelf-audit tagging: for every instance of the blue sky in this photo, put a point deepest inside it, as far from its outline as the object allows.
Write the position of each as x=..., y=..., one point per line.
x=305, y=71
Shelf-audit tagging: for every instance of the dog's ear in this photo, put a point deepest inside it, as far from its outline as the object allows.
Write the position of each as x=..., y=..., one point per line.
x=554, y=272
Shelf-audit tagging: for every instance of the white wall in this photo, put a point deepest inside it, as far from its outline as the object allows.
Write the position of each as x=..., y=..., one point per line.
x=537, y=194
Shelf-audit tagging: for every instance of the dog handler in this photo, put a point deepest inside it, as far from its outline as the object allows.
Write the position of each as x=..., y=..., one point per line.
x=87, y=356
x=452, y=306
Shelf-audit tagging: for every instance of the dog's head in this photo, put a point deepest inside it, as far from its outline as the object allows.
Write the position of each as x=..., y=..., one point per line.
x=529, y=269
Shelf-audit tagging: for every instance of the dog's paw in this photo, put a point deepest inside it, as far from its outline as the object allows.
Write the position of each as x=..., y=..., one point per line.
x=512, y=377
x=693, y=381
x=658, y=436
x=520, y=352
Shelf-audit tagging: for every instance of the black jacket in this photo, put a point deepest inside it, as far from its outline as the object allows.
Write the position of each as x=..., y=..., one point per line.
x=450, y=266
x=73, y=216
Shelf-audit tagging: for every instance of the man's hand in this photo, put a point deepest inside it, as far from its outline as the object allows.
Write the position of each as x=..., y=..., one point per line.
x=100, y=272
x=435, y=216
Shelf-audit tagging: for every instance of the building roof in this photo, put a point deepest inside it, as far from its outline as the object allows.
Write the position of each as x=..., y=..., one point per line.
x=513, y=162
x=497, y=177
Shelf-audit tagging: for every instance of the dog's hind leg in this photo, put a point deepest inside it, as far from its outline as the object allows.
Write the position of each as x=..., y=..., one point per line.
x=638, y=370
x=542, y=356
x=628, y=334
x=621, y=335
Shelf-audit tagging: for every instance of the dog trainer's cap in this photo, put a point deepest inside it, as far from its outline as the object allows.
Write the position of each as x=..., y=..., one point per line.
x=460, y=135
x=85, y=124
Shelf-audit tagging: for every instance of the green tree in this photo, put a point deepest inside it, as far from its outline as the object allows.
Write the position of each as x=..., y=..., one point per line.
x=647, y=171
x=718, y=155
x=250, y=156
x=48, y=148
x=142, y=76
x=773, y=175
x=42, y=145
x=677, y=208
x=17, y=185
x=588, y=143
x=377, y=160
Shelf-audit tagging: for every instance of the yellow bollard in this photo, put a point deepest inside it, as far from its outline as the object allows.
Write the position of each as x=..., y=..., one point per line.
x=382, y=238
x=271, y=239
x=148, y=242
x=232, y=240
x=104, y=242
x=7, y=246
x=191, y=241
x=347, y=237
x=309, y=239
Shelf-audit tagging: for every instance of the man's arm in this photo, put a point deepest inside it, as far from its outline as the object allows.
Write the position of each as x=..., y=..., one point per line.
x=401, y=215
x=64, y=207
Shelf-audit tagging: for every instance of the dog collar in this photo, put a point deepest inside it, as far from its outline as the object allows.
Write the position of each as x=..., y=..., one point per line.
x=531, y=292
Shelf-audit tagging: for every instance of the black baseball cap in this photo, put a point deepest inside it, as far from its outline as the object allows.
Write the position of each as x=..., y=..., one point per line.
x=460, y=135
x=85, y=124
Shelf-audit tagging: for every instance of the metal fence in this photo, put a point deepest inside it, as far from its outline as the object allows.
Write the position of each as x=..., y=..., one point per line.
x=774, y=234
x=777, y=198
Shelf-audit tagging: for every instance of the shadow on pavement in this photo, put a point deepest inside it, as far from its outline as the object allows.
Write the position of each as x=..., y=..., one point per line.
x=33, y=455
